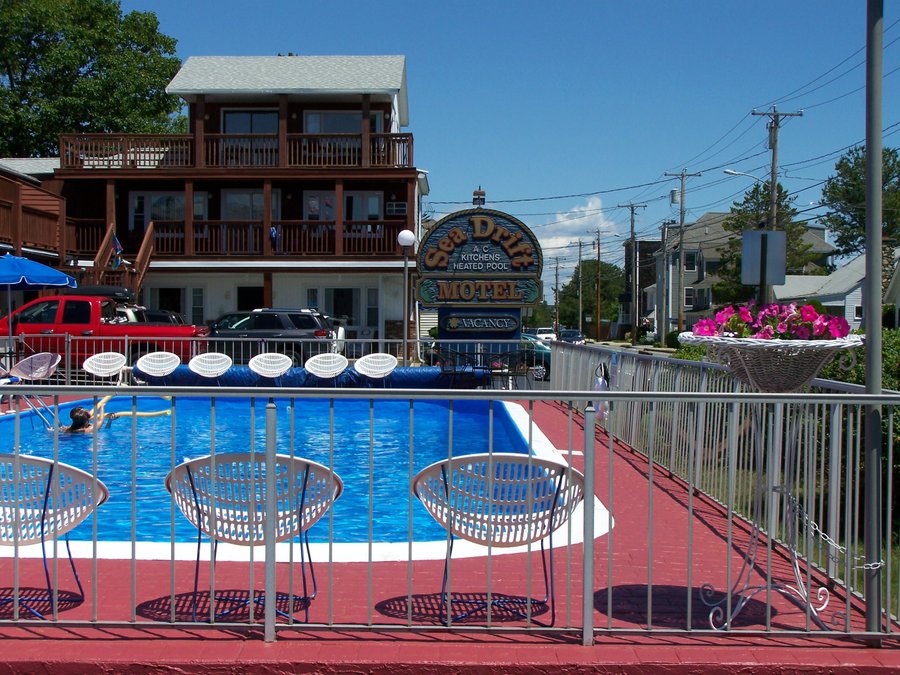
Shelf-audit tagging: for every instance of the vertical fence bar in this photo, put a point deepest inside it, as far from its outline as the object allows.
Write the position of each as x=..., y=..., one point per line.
x=269, y=524
x=587, y=599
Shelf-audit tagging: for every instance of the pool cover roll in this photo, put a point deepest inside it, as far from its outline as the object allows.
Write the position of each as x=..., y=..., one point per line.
x=424, y=377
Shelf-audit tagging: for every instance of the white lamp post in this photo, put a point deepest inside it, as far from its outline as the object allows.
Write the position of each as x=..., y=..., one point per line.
x=406, y=239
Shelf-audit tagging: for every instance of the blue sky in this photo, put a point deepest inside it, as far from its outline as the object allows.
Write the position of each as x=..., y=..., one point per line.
x=564, y=111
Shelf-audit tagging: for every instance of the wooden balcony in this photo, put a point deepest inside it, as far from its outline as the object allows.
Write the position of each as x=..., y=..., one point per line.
x=253, y=151
x=249, y=239
x=31, y=217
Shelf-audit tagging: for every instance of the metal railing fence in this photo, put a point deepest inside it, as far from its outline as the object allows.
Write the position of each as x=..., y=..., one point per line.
x=730, y=511
x=738, y=451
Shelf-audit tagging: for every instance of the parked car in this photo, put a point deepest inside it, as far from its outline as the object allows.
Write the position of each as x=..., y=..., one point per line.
x=164, y=316
x=537, y=356
x=299, y=333
x=94, y=325
x=572, y=336
x=547, y=334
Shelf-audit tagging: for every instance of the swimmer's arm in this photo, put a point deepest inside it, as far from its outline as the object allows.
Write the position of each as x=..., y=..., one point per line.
x=129, y=413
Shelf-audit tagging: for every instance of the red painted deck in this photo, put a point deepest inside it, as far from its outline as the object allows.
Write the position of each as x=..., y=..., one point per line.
x=140, y=647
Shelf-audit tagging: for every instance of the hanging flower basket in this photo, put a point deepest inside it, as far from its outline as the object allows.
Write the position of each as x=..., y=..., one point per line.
x=773, y=348
x=772, y=365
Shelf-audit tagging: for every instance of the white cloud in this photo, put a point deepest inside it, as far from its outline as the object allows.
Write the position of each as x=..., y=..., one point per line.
x=559, y=240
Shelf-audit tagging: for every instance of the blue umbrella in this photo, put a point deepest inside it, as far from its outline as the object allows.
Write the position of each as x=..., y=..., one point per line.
x=20, y=274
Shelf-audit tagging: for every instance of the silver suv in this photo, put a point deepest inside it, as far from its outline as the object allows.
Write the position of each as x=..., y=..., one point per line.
x=299, y=333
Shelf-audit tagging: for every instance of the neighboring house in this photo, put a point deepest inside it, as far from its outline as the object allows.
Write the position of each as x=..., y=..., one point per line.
x=892, y=289
x=289, y=190
x=704, y=241
x=646, y=278
x=840, y=292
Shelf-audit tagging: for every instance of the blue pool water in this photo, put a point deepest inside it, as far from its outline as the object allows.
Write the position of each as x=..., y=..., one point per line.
x=390, y=427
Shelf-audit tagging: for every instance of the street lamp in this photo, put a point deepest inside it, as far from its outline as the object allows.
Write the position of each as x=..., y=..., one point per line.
x=732, y=172
x=406, y=239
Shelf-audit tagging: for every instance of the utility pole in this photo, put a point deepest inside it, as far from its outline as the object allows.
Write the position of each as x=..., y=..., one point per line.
x=634, y=271
x=580, y=287
x=598, y=285
x=556, y=297
x=683, y=175
x=773, y=126
x=872, y=290
x=662, y=309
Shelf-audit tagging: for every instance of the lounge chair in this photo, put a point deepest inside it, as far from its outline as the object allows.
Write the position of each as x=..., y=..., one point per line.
x=157, y=364
x=270, y=365
x=376, y=366
x=326, y=366
x=500, y=500
x=106, y=365
x=41, y=500
x=224, y=497
x=211, y=365
x=40, y=366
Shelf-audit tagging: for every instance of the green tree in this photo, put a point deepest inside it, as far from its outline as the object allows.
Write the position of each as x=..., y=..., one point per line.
x=541, y=315
x=612, y=285
x=751, y=213
x=81, y=66
x=845, y=196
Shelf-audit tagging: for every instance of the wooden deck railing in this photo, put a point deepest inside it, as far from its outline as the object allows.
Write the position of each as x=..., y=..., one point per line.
x=145, y=151
x=295, y=238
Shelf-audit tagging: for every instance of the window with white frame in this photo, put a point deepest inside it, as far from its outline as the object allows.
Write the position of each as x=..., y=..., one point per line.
x=197, y=306
x=688, y=296
x=690, y=261
x=362, y=205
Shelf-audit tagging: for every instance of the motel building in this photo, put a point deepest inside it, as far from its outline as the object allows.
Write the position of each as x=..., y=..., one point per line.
x=289, y=190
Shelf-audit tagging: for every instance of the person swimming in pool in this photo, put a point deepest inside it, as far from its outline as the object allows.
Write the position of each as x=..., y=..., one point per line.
x=87, y=420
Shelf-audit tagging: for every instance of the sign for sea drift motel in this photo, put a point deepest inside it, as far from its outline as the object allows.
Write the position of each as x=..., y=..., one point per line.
x=479, y=257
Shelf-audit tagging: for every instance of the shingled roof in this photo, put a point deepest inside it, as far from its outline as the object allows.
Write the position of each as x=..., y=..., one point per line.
x=708, y=235
x=298, y=75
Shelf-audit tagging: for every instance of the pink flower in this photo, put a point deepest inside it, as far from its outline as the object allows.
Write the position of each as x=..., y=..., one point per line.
x=838, y=327
x=820, y=325
x=808, y=313
x=802, y=332
x=705, y=327
x=766, y=333
x=745, y=315
x=723, y=316
x=782, y=327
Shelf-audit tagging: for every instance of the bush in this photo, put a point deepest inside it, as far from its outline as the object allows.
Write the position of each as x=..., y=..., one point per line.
x=851, y=366
x=672, y=340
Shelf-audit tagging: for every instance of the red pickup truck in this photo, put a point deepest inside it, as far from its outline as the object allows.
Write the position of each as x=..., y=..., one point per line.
x=84, y=325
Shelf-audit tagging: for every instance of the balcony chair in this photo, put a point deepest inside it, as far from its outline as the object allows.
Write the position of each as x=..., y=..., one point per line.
x=157, y=364
x=376, y=366
x=502, y=500
x=224, y=497
x=270, y=365
x=40, y=366
x=211, y=365
x=326, y=366
x=44, y=500
x=106, y=365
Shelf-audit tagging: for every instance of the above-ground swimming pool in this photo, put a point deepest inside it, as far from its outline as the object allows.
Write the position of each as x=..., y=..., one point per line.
x=389, y=423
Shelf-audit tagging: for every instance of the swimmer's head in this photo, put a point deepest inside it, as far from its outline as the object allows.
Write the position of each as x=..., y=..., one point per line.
x=80, y=418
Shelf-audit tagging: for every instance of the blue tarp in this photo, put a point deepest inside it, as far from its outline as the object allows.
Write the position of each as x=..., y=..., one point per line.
x=424, y=377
